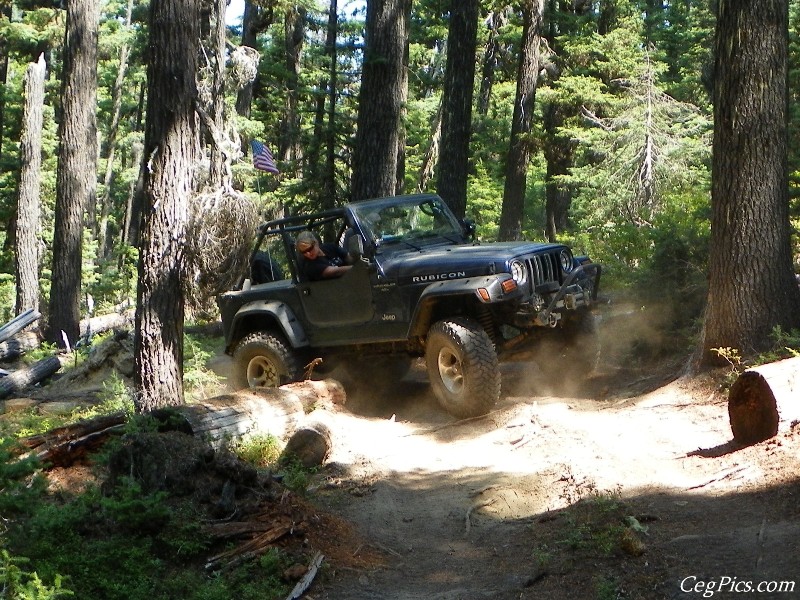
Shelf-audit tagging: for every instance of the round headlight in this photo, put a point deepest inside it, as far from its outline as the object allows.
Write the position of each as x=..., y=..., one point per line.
x=519, y=272
x=565, y=258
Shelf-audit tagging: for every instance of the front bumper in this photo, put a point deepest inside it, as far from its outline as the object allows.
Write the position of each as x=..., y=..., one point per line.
x=579, y=290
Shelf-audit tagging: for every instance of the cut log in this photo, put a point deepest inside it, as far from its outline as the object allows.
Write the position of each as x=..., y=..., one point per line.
x=22, y=378
x=262, y=411
x=19, y=344
x=312, y=443
x=274, y=411
x=765, y=400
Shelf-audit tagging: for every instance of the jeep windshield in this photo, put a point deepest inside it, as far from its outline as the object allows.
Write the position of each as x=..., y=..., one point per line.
x=414, y=222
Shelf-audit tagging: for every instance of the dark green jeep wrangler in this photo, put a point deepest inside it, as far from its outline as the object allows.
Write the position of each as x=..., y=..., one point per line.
x=420, y=286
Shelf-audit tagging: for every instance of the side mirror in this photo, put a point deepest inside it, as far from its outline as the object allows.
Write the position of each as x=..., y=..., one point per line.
x=355, y=247
x=469, y=228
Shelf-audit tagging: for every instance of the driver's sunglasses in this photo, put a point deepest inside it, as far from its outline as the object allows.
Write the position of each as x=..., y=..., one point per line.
x=309, y=249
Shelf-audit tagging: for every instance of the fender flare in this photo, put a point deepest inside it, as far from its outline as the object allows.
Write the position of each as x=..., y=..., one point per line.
x=466, y=287
x=280, y=312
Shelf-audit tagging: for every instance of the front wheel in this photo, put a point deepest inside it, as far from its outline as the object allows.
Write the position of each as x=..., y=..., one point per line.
x=462, y=367
x=264, y=359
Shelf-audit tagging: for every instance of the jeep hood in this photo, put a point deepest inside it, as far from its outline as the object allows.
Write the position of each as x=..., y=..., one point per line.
x=466, y=260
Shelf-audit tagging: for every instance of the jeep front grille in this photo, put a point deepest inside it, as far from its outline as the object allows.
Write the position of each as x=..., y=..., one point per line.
x=543, y=269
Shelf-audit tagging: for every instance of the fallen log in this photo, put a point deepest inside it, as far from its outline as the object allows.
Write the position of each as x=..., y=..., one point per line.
x=259, y=411
x=63, y=446
x=19, y=344
x=764, y=401
x=250, y=548
x=219, y=420
x=103, y=323
x=22, y=378
x=312, y=442
x=18, y=323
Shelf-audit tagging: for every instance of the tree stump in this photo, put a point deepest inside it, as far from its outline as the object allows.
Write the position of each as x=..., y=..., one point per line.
x=765, y=400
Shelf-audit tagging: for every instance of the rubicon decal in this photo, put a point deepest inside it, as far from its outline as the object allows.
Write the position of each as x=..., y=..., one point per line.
x=438, y=276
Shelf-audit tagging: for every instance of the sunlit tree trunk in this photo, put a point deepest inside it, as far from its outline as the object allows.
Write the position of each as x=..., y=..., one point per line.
x=171, y=142
x=752, y=287
x=519, y=151
x=28, y=209
x=77, y=168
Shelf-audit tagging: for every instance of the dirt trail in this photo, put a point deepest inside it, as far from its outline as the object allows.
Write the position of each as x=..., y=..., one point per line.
x=561, y=497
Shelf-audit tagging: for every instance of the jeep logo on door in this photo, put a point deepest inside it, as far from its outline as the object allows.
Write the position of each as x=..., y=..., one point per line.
x=438, y=276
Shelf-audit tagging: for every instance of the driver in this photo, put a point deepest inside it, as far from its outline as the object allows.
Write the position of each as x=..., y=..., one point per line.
x=320, y=261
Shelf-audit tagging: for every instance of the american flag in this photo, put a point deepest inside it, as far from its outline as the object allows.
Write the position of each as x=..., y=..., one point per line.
x=262, y=157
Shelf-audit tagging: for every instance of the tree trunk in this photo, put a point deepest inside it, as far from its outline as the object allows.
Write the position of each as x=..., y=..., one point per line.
x=380, y=104
x=171, y=143
x=491, y=58
x=459, y=82
x=254, y=21
x=77, y=168
x=217, y=167
x=294, y=34
x=752, y=288
x=111, y=142
x=28, y=209
x=133, y=207
x=329, y=175
x=763, y=401
x=426, y=170
x=558, y=155
x=513, y=210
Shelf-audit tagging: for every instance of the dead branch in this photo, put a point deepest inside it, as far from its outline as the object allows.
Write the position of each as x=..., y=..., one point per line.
x=305, y=582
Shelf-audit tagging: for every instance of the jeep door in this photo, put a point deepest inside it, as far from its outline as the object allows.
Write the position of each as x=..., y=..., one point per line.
x=338, y=302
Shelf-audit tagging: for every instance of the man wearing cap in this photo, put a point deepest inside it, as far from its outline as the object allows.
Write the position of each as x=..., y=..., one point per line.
x=320, y=261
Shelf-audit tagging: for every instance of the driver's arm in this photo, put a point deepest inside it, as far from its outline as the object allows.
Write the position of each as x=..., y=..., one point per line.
x=332, y=271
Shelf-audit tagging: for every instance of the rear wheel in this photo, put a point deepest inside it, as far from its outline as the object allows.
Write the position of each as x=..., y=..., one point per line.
x=264, y=359
x=462, y=367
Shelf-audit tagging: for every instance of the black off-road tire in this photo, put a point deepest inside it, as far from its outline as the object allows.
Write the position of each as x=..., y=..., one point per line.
x=264, y=359
x=462, y=367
